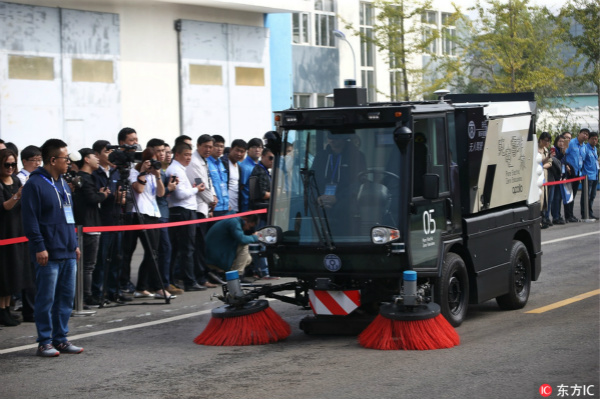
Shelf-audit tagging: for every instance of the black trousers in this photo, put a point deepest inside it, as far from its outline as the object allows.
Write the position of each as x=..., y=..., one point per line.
x=182, y=243
x=148, y=273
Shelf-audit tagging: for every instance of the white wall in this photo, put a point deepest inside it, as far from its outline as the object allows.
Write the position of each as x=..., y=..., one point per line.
x=149, y=66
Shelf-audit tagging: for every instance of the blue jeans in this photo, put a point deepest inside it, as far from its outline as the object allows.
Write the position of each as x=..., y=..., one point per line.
x=54, y=299
x=556, y=202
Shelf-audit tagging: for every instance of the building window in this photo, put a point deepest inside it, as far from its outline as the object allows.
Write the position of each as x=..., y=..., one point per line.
x=322, y=101
x=429, y=34
x=448, y=35
x=300, y=30
x=429, y=17
x=324, y=23
x=301, y=100
x=396, y=86
x=367, y=51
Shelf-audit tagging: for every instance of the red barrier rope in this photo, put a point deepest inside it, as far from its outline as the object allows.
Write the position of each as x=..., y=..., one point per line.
x=552, y=183
x=98, y=229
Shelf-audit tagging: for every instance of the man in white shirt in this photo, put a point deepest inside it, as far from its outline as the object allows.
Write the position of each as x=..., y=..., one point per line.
x=182, y=207
x=197, y=172
x=31, y=156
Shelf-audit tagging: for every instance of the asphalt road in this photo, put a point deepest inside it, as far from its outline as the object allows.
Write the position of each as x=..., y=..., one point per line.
x=147, y=351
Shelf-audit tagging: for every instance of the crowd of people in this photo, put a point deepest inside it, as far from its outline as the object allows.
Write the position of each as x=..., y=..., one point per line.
x=568, y=158
x=114, y=185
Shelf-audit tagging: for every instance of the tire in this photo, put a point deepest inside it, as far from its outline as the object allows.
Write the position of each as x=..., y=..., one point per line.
x=452, y=289
x=520, y=279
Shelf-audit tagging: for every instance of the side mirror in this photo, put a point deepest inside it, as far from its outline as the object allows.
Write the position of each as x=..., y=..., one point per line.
x=431, y=186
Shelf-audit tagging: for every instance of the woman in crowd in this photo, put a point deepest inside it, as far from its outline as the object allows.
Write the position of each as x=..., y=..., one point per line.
x=543, y=144
x=558, y=170
x=146, y=184
x=15, y=269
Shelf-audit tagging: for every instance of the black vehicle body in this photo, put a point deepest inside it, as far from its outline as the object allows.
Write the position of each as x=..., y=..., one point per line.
x=454, y=181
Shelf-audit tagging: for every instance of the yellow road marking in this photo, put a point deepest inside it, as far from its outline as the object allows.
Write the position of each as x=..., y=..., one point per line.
x=565, y=302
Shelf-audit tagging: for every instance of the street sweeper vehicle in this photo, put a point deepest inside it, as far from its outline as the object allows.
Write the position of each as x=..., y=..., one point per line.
x=400, y=209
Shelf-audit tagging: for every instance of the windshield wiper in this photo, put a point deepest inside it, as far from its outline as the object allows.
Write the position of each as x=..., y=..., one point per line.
x=316, y=212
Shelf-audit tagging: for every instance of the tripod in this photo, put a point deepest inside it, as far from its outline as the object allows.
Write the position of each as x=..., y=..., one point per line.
x=124, y=186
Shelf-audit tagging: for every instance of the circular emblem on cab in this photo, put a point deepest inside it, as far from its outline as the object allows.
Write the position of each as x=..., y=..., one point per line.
x=471, y=130
x=332, y=262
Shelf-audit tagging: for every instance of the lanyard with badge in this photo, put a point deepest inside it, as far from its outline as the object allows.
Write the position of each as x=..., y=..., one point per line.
x=65, y=203
x=331, y=187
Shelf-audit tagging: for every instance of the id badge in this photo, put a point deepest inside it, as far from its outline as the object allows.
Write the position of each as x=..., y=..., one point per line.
x=69, y=213
x=330, y=189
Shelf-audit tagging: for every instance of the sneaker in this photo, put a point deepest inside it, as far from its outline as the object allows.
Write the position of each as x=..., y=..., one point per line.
x=47, y=351
x=208, y=284
x=174, y=290
x=69, y=348
x=559, y=221
x=573, y=219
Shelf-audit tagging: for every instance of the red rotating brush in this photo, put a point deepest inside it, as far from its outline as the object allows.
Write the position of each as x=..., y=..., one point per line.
x=253, y=323
x=409, y=326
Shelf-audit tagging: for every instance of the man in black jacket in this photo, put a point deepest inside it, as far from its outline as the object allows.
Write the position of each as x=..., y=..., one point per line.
x=234, y=181
x=86, y=199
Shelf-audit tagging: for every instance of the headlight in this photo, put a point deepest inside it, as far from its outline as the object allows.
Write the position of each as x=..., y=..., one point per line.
x=383, y=235
x=269, y=235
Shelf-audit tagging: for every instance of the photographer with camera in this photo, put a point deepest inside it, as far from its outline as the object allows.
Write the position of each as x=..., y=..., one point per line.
x=123, y=157
x=85, y=203
x=165, y=248
x=146, y=186
x=109, y=251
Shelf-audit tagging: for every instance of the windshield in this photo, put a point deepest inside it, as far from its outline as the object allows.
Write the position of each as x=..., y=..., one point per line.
x=334, y=186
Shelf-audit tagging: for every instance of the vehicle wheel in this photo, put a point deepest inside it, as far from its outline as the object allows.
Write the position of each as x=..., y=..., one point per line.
x=520, y=279
x=452, y=289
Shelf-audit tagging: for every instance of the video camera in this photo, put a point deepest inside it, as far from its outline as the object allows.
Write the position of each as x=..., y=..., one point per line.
x=124, y=154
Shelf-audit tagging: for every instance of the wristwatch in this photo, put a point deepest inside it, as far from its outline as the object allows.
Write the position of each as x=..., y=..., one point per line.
x=16, y=198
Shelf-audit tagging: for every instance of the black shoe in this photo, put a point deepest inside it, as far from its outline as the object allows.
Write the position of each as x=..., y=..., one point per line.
x=119, y=298
x=559, y=221
x=572, y=219
x=92, y=301
x=215, y=279
x=6, y=320
x=545, y=226
x=549, y=222
x=195, y=287
x=594, y=217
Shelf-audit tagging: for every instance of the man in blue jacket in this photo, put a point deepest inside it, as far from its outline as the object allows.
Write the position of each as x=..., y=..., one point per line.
x=227, y=245
x=590, y=169
x=575, y=155
x=50, y=227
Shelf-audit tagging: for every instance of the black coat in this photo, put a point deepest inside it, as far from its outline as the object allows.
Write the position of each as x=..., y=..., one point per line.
x=85, y=201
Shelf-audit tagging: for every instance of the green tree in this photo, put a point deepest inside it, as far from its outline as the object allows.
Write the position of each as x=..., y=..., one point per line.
x=585, y=14
x=400, y=35
x=513, y=47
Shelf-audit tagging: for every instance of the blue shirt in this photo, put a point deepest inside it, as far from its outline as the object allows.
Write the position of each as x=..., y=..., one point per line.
x=218, y=174
x=575, y=155
x=590, y=162
x=246, y=168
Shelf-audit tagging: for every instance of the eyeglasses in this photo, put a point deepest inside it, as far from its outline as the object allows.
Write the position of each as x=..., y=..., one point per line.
x=38, y=160
x=65, y=158
x=10, y=165
x=271, y=158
